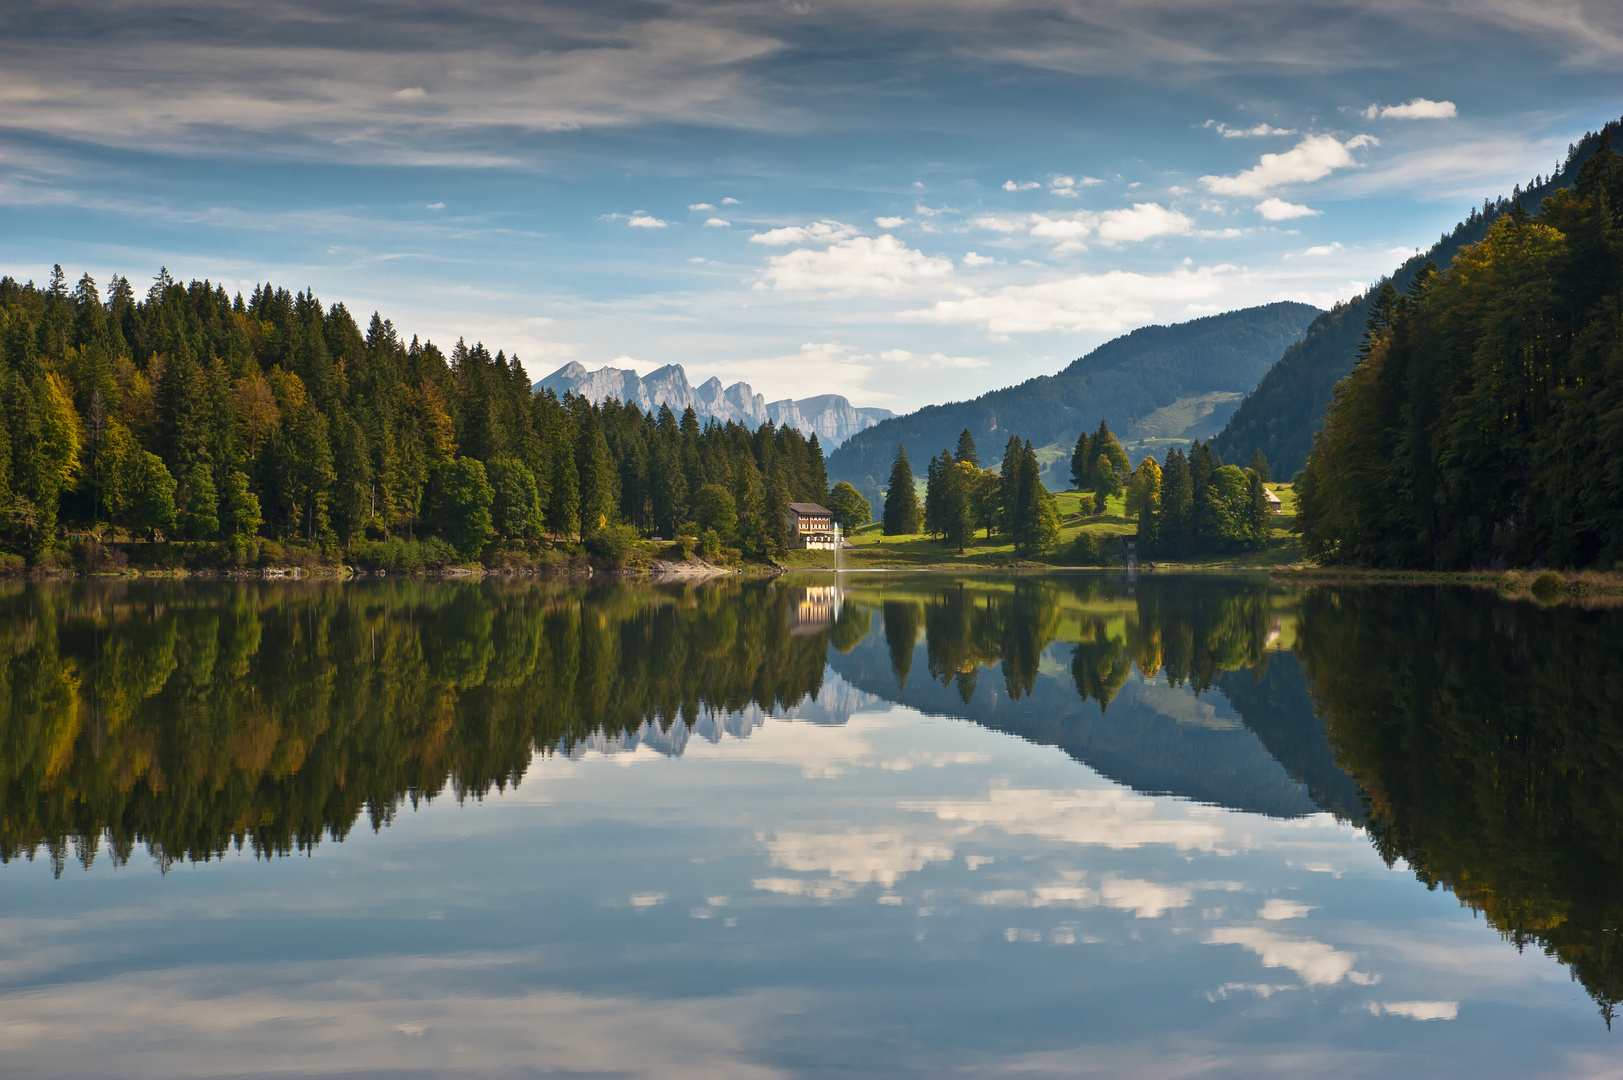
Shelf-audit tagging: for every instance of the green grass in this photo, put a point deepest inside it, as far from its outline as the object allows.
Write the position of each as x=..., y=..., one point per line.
x=874, y=550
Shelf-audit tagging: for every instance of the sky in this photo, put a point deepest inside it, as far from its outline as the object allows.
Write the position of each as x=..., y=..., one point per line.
x=901, y=201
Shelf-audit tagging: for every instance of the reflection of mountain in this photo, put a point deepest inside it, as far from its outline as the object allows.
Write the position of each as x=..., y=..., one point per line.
x=832, y=705
x=1274, y=702
x=1152, y=737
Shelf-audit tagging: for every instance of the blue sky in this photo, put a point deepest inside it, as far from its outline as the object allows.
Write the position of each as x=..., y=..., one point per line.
x=905, y=202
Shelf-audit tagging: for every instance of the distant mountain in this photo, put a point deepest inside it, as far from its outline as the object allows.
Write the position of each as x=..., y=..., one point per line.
x=1156, y=385
x=1288, y=405
x=830, y=416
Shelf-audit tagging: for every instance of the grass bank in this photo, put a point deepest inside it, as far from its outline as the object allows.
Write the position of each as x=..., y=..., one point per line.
x=875, y=551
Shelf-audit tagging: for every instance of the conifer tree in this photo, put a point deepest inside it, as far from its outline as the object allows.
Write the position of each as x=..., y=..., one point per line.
x=1259, y=465
x=901, y=500
x=965, y=451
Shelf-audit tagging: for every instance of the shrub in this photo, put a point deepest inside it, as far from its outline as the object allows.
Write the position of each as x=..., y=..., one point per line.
x=710, y=544
x=612, y=546
x=1087, y=550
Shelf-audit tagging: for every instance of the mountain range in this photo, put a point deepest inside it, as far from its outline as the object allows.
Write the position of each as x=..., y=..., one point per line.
x=1156, y=386
x=831, y=417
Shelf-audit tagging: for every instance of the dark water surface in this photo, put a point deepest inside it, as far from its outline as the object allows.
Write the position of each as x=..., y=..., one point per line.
x=910, y=826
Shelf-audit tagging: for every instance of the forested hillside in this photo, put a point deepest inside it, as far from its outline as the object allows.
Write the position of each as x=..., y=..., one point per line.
x=1123, y=382
x=1483, y=425
x=1288, y=405
x=190, y=414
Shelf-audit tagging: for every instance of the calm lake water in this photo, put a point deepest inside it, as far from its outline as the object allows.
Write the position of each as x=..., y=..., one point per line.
x=911, y=826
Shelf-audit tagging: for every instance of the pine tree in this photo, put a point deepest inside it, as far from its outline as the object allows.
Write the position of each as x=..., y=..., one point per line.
x=1259, y=465
x=1037, y=528
x=901, y=500
x=966, y=450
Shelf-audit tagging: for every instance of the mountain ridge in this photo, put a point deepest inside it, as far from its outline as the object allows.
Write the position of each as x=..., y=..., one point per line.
x=831, y=417
x=1124, y=381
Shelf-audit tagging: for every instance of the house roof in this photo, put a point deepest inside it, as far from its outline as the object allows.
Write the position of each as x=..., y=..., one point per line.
x=810, y=510
x=1271, y=496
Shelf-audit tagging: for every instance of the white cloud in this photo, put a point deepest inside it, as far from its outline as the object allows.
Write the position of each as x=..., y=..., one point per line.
x=972, y=259
x=1143, y=222
x=1417, y=1010
x=436, y=206
x=1246, y=133
x=643, y=220
x=1027, y=185
x=1324, y=249
x=1314, y=158
x=861, y=264
x=1316, y=963
x=1418, y=109
x=716, y=223
x=818, y=232
x=729, y=201
x=1277, y=909
x=890, y=222
x=410, y=93
x=700, y=206
x=1277, y=209
x=1108, y=302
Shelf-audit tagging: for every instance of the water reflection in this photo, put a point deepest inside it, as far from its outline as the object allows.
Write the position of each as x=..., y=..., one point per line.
x=1477, y=740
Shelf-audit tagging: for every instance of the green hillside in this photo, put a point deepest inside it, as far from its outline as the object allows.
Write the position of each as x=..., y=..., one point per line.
x=1169, y=381
x=1288, y=405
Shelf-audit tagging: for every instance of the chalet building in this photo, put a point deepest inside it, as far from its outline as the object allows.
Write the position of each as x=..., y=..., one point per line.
x=811, y=527
x=1274, y=505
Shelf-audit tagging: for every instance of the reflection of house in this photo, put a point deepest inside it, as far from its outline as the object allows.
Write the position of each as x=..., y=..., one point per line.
x=811, y=526
x=1274, y=505
x=814, y=609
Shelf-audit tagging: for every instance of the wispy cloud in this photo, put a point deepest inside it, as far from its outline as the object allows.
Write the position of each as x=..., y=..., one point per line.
x=818, y=232
x=1255, y=131
x=1314, y=158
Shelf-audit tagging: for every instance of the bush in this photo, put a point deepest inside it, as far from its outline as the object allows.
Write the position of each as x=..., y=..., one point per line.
x=612, y=546
x=1087, y=550
x=1085, y=504
x=710, y=544
x=398, y=555
x=11, y=565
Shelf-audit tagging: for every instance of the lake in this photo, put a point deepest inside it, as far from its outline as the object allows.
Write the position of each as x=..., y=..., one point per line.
x=905, y=825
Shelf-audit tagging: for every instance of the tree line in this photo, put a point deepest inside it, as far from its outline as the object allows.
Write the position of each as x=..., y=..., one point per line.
x=190, y=414
x=1483, y=418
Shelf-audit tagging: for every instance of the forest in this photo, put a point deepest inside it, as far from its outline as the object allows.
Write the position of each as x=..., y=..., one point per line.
x=248, y=427
x=1287, y=407
x=1483, y=423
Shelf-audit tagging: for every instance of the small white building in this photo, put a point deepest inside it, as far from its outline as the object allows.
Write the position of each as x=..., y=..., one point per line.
x=1274, y=505
x=811, y=527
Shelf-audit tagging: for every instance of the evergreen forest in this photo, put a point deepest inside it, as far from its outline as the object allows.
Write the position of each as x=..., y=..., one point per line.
x=1288, y=406
x=244, y=426
x=1483, y=422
